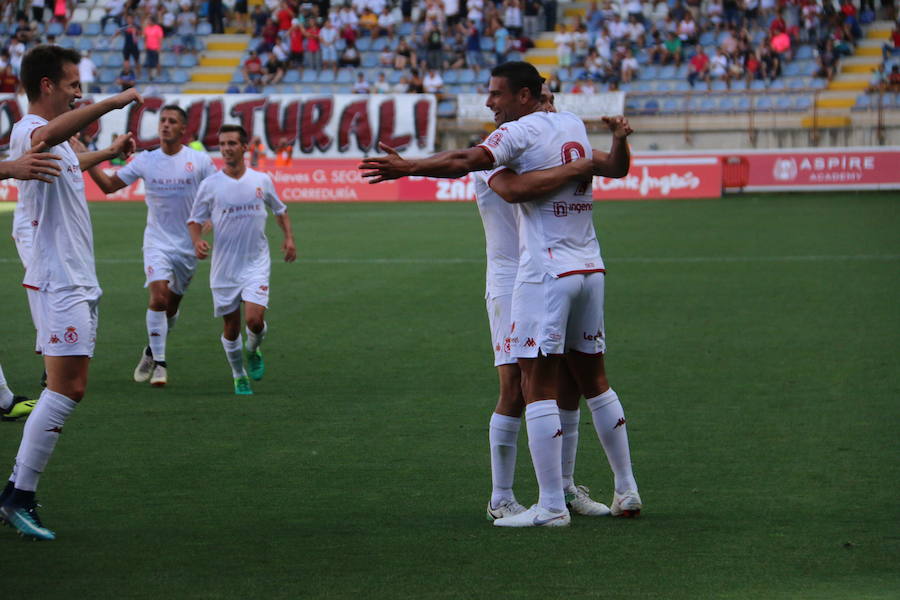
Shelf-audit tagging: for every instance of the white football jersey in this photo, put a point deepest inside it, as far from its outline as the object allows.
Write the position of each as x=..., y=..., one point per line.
x=237, y=208
x=556, y=233
x=23, y=232
x=62, y=253
x=501, y=236
x=170, y=184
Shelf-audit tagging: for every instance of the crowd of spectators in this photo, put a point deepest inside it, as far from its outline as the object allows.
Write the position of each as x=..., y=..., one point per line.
x=751, y=39
x=421, y=39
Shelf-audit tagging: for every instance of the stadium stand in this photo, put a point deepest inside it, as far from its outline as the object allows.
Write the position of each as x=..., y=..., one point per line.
x=669, y=57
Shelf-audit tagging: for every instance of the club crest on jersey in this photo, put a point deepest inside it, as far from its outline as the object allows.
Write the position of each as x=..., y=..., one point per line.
x=494, y=139
x=189, y=166
x=264, y=288
x=71, y=336
x=259, y=192
x=149, y=269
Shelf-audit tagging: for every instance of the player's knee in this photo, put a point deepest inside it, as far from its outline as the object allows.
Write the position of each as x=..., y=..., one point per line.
x=255, y=323
x=75, y=391
x=158, y=304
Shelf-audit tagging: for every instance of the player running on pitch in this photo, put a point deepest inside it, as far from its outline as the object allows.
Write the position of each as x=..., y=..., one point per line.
x=557, y=305
x=172, y=174
x=61, y=268
x=236, y=198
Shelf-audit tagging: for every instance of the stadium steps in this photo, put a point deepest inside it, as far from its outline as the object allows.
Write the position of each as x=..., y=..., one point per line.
x=218, y=64
x=877, y=34
x=575, y=11
x=543, y=55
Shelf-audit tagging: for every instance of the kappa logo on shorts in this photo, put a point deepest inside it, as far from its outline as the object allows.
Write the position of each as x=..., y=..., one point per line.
x=189, y=166
x=54, y=339
x=150, y=270
x=71, y=335
x=530, y=343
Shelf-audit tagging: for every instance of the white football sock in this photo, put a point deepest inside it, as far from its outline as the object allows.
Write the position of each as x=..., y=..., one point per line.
x=502, y=436
x=6, y=395
x=609, y=421
x=235, y=356
x=157, y=331
x=569, y=420
x=170, y=321
x=545, y=442
x=255, y=339
x=39, y=437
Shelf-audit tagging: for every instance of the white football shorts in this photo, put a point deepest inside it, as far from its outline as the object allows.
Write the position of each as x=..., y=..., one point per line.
x=226, y=300
x=499, y=309
x=557, y=315
x=67, y=320
x=176, y=268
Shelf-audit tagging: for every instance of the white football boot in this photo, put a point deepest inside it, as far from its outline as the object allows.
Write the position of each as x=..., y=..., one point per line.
x=580, y=502
x=506, y=508
x=144, y=368
x=160, y=376
x=626, y=504
x=536, y=516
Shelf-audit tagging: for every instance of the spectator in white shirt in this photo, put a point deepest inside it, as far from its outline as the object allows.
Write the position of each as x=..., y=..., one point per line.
x=433, y=82
x=361, y=86
x=87, y=71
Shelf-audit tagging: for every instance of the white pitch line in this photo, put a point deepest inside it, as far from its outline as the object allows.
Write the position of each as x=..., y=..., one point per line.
x=629, y=259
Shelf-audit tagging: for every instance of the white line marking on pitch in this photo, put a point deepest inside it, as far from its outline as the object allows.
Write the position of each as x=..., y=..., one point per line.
x=629, y=259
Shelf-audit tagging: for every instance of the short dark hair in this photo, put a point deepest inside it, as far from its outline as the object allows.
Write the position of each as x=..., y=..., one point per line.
x=45, y=61
x=178, y=109
x=520, y=74
x=242, y=133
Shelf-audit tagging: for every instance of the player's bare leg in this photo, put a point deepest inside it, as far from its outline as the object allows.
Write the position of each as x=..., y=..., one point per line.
x=66, y=382
x=577, y=496
x=503, y=436
x=255, y=316
x=589, y=371
x=231, y=343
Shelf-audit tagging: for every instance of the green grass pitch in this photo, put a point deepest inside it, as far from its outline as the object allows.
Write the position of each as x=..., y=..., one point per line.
x=753, y=340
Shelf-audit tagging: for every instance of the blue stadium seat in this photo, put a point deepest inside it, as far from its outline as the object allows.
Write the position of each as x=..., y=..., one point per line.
x=343, y=89
x=803, y=103
x=649, y=72
x=291, y=76
x=743, y=103
x=726, y=104
x=672, y=105
x=804, y=52
x=566, y=74
x=707, y=104
x=84, y=43
x=74, y=29
x=625, y=87
x=739, y=85
x=718, y=85
x=451, y=76
x=110, y=29
x=764, y=103
x=271, y=89
x=666, y=86
x=180, y=76
x=114, y=59
x=632, y=104
x=446, y=108
x=758, y=84
x=681, y=72
x=187, y=61
x=487, y=44
x=327, y=76
x=363, y=44
x=55, y=29
x=379, y=44
x=309, y=76
x=795, y=83
x=369, y=59
x=783, y=102
x=707, y=38
x=66, y=42
x=204, y=28
x=643, y=86
x=467, y=76
x=651, y=106
x=168, y=60
x=394, y=76
x=345, y=76
x=108, y=75
x=667, y=72
x=405, y=29
x=777, y=84
x=682, y=86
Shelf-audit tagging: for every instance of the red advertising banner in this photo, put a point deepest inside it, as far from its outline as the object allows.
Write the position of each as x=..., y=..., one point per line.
x=662, y=178
x=855, y=168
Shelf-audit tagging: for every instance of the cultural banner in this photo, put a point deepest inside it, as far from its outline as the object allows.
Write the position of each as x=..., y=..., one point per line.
x=310, y=125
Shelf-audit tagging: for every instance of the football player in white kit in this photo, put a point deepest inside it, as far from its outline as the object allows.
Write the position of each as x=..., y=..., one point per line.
x=61, y=268
x=502, y=246
x=172, y=174
x=41, y=166
x=557, y=305
x=236, y=199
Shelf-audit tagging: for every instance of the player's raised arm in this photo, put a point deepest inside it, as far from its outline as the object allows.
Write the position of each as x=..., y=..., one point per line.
x=34, y=164
x=617, y=161
x=121, y=147
x=450, y=164
x=61, y=128
x=534, y=185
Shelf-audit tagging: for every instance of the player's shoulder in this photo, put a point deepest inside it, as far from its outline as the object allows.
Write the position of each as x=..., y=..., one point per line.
x=27, y=123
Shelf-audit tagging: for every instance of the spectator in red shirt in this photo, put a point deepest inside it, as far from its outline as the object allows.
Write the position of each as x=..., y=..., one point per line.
x=312, y=46
x=698, y=67
x=348, y=34
x=285, y=17
x=893, y=79
x=295, y=35
x=153, y=36
x=253, y=68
